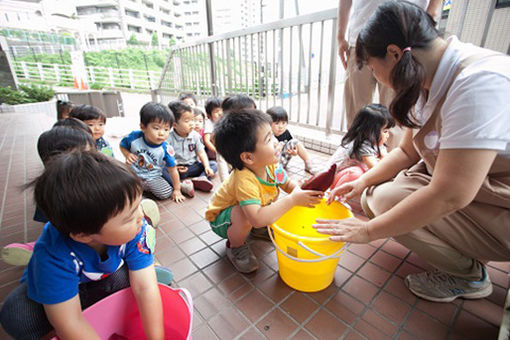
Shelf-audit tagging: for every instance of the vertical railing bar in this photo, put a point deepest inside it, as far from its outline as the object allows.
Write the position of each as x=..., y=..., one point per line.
x=246, y=65
x=265, y=70
x=201, y=66
x=309, y=75
x=259, y=69
x=240, y=65
x=183, y=74
x=234, y=63
x=225, y=85
x=218, y=68
x=273, y=68
x=252, y=69
x=281, y=67
x=320, y=75
x=300, y=31
x=291, y=28
x=332, y=80
x=488, y=20
x=229, y=66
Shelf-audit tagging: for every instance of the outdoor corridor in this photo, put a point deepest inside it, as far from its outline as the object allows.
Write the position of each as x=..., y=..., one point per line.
x=367, y=300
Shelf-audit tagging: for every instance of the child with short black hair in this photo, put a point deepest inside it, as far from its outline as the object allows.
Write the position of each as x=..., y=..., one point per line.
x=148, y=152
x=188, y=98
x=214, y=112
x=247, y=200
x=63, y=109
x=96, y=244
x=188, y=147
x=291, y=147
x=95, y=120
x=237, y=102
x=198, y=121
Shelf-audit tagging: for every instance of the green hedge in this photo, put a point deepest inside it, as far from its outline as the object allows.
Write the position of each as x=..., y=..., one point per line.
x=26, y=94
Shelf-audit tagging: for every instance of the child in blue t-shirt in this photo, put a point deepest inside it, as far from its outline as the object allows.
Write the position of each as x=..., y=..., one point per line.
x=96, y=244
x=95, y=119
x=148, y=152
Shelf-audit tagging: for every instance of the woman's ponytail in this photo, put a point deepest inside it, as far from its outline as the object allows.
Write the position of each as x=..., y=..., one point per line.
x=407, y=78
x=409, y=27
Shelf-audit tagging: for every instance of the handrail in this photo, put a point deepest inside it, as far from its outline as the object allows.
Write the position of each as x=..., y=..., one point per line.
x=259, y=62
x=283, y=23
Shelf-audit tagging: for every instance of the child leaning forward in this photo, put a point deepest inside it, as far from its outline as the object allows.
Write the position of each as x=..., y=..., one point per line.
x=248, y=198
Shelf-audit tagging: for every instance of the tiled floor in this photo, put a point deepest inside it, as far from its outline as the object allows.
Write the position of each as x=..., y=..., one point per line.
x=367, y=299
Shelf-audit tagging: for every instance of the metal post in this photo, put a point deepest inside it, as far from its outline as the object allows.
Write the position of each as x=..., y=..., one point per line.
x=332, y=78
x=462, y=18
x=118, y=69
x=211, y=48
x=492, y=8
x=147, y=70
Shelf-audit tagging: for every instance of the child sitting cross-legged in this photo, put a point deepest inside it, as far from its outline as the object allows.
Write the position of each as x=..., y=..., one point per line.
x=96, y=244
x=95, y=119
x=291, y=146
x=248, y=198
x=188, y=147
x=148, y=152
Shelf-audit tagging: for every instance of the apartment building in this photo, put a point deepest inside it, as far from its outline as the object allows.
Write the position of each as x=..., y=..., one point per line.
x=117, y=21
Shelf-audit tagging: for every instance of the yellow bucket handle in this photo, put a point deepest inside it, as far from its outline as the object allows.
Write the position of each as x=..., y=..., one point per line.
x=305, y=247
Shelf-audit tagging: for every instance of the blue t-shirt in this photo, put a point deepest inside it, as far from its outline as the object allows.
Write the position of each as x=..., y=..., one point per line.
x=151, y=158
x=59, y=264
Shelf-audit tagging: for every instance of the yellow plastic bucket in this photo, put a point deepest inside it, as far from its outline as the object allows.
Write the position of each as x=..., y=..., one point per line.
x=307, y=259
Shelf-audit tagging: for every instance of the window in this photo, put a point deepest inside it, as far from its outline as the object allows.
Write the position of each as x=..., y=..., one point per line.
x=149, y=18
x=133, y=14
x=166, y=23
x=136, y=29
x=195, y=12
x=148, y=4
x=164, y=10
x=6, y=17
x=502, y=3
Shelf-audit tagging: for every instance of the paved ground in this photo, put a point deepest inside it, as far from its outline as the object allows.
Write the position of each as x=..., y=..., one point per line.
x=367, y=300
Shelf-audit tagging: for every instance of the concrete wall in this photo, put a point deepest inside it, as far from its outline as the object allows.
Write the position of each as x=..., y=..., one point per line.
x=7, y=76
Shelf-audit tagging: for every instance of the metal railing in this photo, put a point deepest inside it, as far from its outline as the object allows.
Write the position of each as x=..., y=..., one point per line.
x=102, y=76
x=290, y=63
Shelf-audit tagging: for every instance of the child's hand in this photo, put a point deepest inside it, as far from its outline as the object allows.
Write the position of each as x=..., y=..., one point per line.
x=131, y=158
x=306, y=198
x=177, y=196
x=209, y=172
x=182, y=169
x=293, y=151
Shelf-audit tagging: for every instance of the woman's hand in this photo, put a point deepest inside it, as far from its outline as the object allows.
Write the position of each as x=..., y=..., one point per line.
x=348, y=230
x=348, y=190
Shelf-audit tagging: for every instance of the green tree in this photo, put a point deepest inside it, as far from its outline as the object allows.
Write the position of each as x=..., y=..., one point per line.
x=132, y=40
x=155, y=39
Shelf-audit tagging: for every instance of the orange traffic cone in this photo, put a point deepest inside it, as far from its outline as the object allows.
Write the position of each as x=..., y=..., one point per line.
x=82, y=85
x=75, y=83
